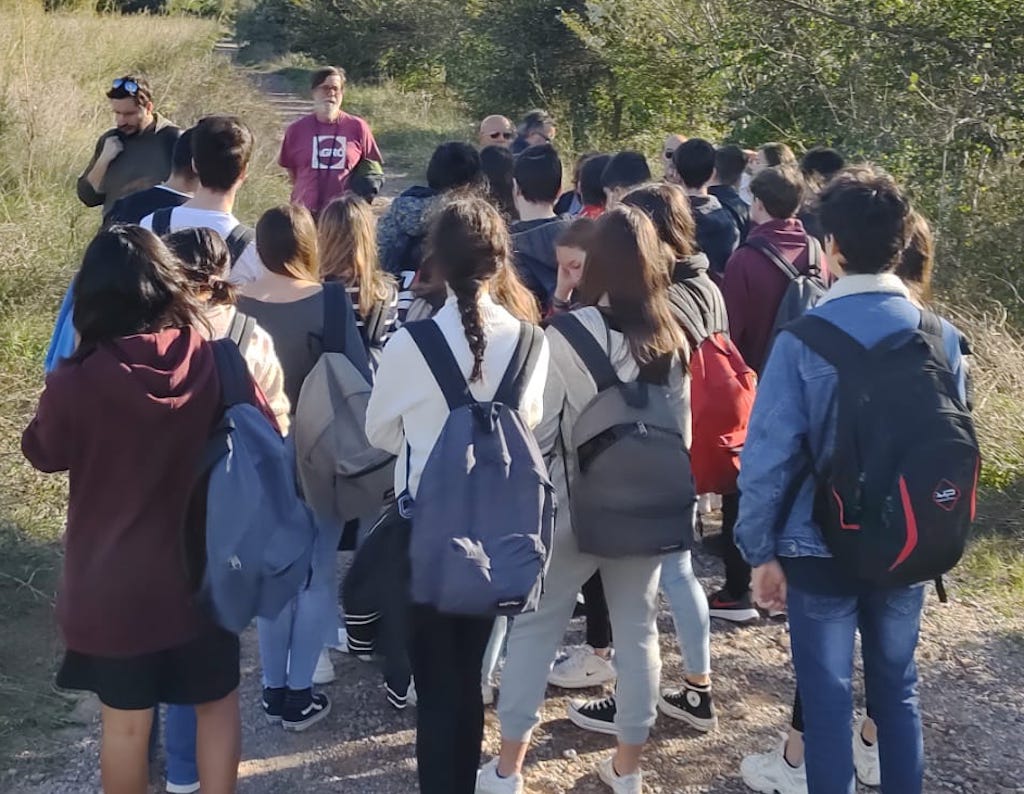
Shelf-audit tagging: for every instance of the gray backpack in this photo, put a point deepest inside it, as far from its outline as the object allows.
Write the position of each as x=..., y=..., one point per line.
x=342, y=475
x=484, y=513
x=631, y=493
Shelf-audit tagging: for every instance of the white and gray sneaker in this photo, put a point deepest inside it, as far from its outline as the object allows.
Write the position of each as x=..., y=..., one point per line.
x=865, y=757
x=324, y=672
x=579, y=668
x=489, y=782
x=620, y=784
x=770, y=773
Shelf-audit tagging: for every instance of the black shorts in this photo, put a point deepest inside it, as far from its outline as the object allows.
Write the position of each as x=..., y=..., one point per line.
x=200, y=671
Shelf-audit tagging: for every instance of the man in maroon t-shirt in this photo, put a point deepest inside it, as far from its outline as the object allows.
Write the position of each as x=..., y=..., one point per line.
x=321, y=150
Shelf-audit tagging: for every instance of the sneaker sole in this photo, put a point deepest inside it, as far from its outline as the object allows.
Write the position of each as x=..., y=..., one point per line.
x=271, y=719
x=736, y=615
x=182, y=788
x=299, y=727
x=598, y=679
x=760, y=788
x=588, y=724
x=698, y=723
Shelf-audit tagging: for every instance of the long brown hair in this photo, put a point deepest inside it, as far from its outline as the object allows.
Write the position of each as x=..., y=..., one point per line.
x=286, y=242
x=669, y=208
x=918, y=259
x=468, y=245
x=348, y=251
x=629, y=265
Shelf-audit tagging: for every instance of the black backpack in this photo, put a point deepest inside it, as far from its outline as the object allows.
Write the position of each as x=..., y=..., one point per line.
x=896, y=501
x=237, y=241
x=804, y=289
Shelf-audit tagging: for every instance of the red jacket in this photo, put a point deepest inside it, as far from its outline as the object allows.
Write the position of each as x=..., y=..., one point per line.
x=753, y=286
x=128, y=421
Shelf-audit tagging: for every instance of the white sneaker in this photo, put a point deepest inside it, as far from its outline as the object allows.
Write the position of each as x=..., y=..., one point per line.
x=341, y=644
x=324, y=673
x=410, y=696
x=581, y=668
x=487, y=690
x=620, y=784
x=488, y=782
x=770, y=773
x=865, y=757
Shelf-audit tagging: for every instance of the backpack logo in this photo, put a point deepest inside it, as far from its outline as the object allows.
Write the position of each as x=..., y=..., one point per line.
x=946, y=495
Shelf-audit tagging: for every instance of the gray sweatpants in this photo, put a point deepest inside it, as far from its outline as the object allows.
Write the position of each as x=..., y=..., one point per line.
x=631, y=589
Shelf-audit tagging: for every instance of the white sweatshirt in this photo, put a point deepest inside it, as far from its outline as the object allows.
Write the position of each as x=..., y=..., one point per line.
x=407, y=410
x=262, y=360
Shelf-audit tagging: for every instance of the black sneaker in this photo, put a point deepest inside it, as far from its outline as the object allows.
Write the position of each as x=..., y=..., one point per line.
x=594, y=715
x=273, y=703
x=692, y=705
x=303, y=709
x=738, y=610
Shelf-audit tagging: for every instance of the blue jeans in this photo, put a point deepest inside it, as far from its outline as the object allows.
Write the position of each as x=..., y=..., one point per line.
x=822, y=631
x=290, y=644
x=180, y=742
x=689, y=612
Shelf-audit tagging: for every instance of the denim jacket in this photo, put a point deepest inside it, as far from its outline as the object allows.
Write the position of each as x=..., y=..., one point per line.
x=794, y=417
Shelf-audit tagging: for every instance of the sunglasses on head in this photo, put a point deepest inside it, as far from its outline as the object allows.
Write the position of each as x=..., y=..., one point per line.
x=127, y=84
x=506, y=135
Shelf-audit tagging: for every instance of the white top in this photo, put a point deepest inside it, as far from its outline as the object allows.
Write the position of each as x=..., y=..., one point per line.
x=261, y=358
x=247, y=268
x=407, y=410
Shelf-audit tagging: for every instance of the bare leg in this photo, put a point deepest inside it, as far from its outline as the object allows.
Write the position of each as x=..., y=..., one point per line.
x=869, y=733
x=511, y=757
x=218, y=744
x=124, y=752
x=627, y=758
x=795, y=748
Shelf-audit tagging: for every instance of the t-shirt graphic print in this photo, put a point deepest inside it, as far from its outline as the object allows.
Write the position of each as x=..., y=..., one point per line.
x=330, y=153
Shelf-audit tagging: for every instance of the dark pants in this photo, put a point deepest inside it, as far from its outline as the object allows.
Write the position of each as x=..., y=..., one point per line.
x=447, y=652
x=599, y=624
x=737, y=572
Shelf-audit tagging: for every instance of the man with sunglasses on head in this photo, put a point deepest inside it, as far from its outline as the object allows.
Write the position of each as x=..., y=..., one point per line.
x=496, y=131
x=136, y=154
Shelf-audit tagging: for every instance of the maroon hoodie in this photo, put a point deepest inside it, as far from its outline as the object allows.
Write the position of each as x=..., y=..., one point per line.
x=128, y=421
x=754, y=286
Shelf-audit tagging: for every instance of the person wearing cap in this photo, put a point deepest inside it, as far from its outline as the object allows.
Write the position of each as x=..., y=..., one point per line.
x=136, y=154
x=325, y=150
x=496, y=131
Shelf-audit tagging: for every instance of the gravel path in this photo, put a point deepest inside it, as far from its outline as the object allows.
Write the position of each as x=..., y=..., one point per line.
x=971, y=659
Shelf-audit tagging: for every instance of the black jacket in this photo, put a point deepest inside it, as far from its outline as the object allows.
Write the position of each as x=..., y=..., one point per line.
x=136, y=206
x=736, y=206
x=533, y=243
x=717, y=233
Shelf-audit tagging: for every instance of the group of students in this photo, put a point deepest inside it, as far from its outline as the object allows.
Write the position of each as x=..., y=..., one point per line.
x=448, y=288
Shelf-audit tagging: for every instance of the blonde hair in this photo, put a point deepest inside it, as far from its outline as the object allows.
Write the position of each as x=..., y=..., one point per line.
x=348, y=251
x=286, y=242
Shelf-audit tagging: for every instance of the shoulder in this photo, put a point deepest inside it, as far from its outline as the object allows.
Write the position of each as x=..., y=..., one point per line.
x=357, y=122
x=300, y=125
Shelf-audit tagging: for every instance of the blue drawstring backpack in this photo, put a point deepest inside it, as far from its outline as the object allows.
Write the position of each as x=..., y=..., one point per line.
x=62, y=343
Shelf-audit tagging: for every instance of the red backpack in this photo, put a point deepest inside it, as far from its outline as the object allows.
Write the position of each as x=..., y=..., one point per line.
x=722, y=386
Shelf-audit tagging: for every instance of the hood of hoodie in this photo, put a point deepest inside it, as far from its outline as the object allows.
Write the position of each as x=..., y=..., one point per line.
x=152, y=374
x=534, y=244
x=409, y=210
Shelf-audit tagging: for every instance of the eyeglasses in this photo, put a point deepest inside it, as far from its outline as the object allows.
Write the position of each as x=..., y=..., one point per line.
x=504, y=135
x=127, y=84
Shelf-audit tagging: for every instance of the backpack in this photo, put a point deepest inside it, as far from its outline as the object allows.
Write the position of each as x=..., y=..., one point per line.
x=259, y=534
x=804, y=289
x=64, y=340
x=632, y=492
x=484, y=515
x=343, y=476
x=237, y=241
x=896, y=500
x=722, y=387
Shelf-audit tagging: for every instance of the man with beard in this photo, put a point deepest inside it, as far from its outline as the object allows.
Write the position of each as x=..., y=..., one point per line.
x=323, y=151
x=136, y=154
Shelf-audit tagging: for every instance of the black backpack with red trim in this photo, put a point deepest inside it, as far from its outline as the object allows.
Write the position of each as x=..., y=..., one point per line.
x=897, y=498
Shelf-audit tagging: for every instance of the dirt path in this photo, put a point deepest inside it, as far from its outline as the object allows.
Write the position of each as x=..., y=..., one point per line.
x=970, y=660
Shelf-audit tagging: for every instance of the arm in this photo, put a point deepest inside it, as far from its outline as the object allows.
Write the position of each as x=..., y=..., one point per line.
x=371, y=151
x=284, y=159
x=736, y=293
x=775, y=453
x=547, y=432
x=384, y=428
x=90, y=183
x=533, y=396
x=47, y=439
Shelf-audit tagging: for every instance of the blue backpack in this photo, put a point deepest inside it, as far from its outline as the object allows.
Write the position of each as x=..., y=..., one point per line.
x=62, y=343
x=484, y=515
x=259, y=534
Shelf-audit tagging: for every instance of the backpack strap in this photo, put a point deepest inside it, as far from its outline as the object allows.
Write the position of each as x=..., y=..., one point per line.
x=336, y=308
x=687, y=315
x=813, y=256
x=774, y=255
x=238, y=240
x=837, y=347
x=235, y=382
x=241, y=331
x=931, y=325
x=594, y=358
x=521, y=366
x=439, y=357
x=162, y=221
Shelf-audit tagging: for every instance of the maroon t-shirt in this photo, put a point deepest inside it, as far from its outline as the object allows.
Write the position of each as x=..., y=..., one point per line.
x=128, y=422
x=321, y=156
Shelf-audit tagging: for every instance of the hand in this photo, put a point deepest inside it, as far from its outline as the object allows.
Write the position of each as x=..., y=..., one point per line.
x=570, y=273
x=769, y=582
x=112, y=147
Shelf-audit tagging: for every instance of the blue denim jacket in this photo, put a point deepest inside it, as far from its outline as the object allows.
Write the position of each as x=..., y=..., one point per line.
x=795, y=412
